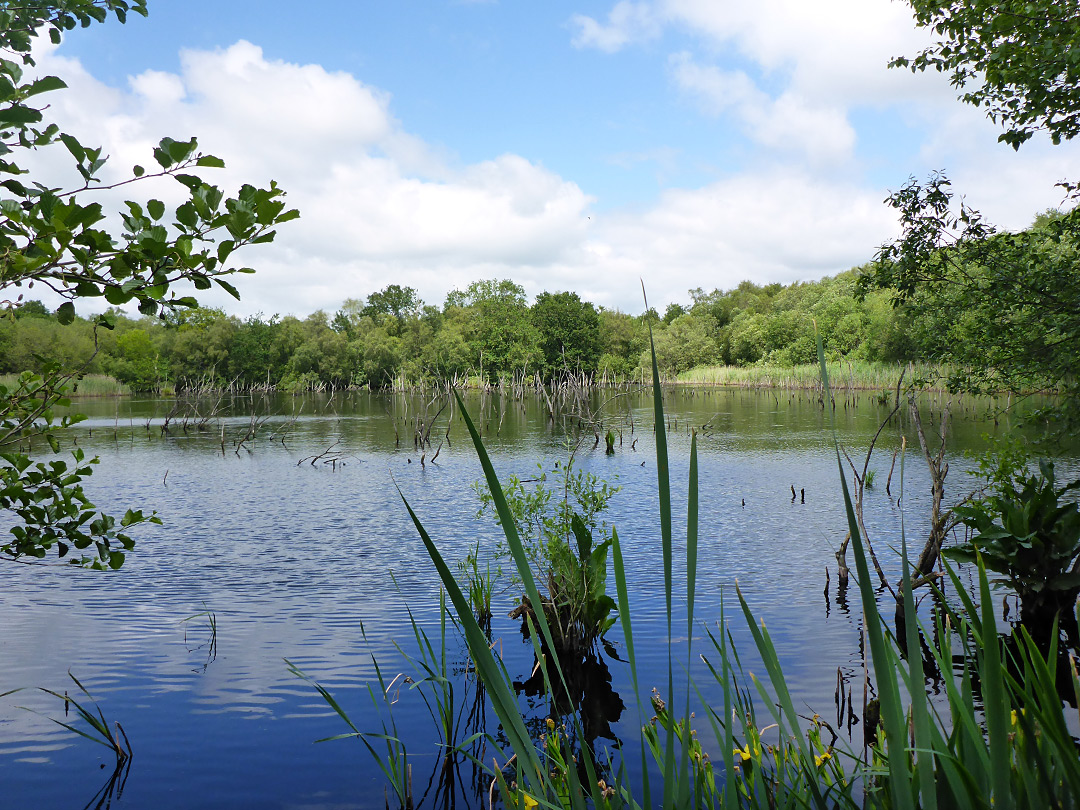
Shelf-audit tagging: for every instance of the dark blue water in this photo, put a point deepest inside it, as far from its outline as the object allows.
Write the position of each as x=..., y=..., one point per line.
x=321, y=566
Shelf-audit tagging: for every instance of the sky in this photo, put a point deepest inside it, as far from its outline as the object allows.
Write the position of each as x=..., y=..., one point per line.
x=583, y=146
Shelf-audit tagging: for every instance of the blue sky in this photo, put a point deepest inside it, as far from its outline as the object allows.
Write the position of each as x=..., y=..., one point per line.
x=575, y=146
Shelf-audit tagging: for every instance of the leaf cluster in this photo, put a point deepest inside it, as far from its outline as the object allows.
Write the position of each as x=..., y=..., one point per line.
x=1027, y=532
x=1015, y=58
x=566, y=543
x=1004, y=306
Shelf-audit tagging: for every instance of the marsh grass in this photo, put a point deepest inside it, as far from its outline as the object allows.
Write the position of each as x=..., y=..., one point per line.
x=854, y=375
x=479, y=582
x=210, y=627
x=97, y=728
x=456, y=706
x=90, y=385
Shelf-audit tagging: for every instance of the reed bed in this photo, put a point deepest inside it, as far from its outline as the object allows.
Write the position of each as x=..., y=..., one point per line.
x=844, y=375
x=92, y=385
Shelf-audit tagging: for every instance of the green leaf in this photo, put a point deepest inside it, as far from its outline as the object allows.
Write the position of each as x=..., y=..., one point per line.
x=163, y=158
x=228, y=288
x=211, y=162
x=180, y=151
x=187, y=216
x=156, y=209
x=19, y=115
x=191, y=181
x=116, y=296
x=65, y=313
x=45, y=84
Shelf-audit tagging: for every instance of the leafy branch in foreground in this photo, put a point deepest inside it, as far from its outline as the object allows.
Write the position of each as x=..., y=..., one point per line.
x=47, y=497
x=1015, y=58
x=1004, y=308
x=58, y=238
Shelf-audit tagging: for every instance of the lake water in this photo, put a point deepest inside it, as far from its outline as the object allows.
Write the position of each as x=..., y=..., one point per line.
x=320, y=564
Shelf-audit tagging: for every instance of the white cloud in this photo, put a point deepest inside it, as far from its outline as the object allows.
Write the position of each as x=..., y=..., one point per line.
x=776, y=226
x=378, y=205
x=382, y=206
x=789, y=123
x=830, y=48
x=627, y=22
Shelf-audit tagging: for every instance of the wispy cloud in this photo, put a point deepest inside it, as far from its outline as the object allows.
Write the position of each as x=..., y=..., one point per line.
x=627, y=22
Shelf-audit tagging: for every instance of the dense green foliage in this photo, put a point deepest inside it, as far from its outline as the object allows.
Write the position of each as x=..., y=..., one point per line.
x=563, y=535
x=1004, y=307
x=1028, y=532
x=60, y=239
x=487, y=331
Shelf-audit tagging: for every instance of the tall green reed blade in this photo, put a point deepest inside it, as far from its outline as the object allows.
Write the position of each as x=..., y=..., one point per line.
x=1040, y=682
x=574, y=794
x=996, y=704
x=727, y=737
x=786, y=712
x=631, y=657
x=920, y=715
x=968, y=744
x=488, y=668
x=509, y=527
x=517, y=550
x=691, y=581
x=663, y=483
x=490, y=671
x=892, y=709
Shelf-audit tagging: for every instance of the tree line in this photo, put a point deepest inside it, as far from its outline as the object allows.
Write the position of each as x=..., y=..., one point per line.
x=488, y=331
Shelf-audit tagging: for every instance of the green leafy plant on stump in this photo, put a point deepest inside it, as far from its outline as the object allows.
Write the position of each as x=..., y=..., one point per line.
x=566, y=543
x=1028, y=533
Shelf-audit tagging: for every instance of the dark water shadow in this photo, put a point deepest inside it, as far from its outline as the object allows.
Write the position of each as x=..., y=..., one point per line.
x=113, y=787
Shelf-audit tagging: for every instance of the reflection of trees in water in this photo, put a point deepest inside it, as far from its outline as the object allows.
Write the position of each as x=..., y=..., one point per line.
x=588, y=693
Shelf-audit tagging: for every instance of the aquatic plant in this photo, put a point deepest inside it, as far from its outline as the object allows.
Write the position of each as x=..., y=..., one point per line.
x=566, y=544
x=99, y=730
x=479, y=583
x=998, y=738
x=1027, y=531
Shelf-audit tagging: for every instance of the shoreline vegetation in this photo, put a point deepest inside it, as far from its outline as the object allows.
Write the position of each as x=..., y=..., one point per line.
x=488, y=335
x=846, y=376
